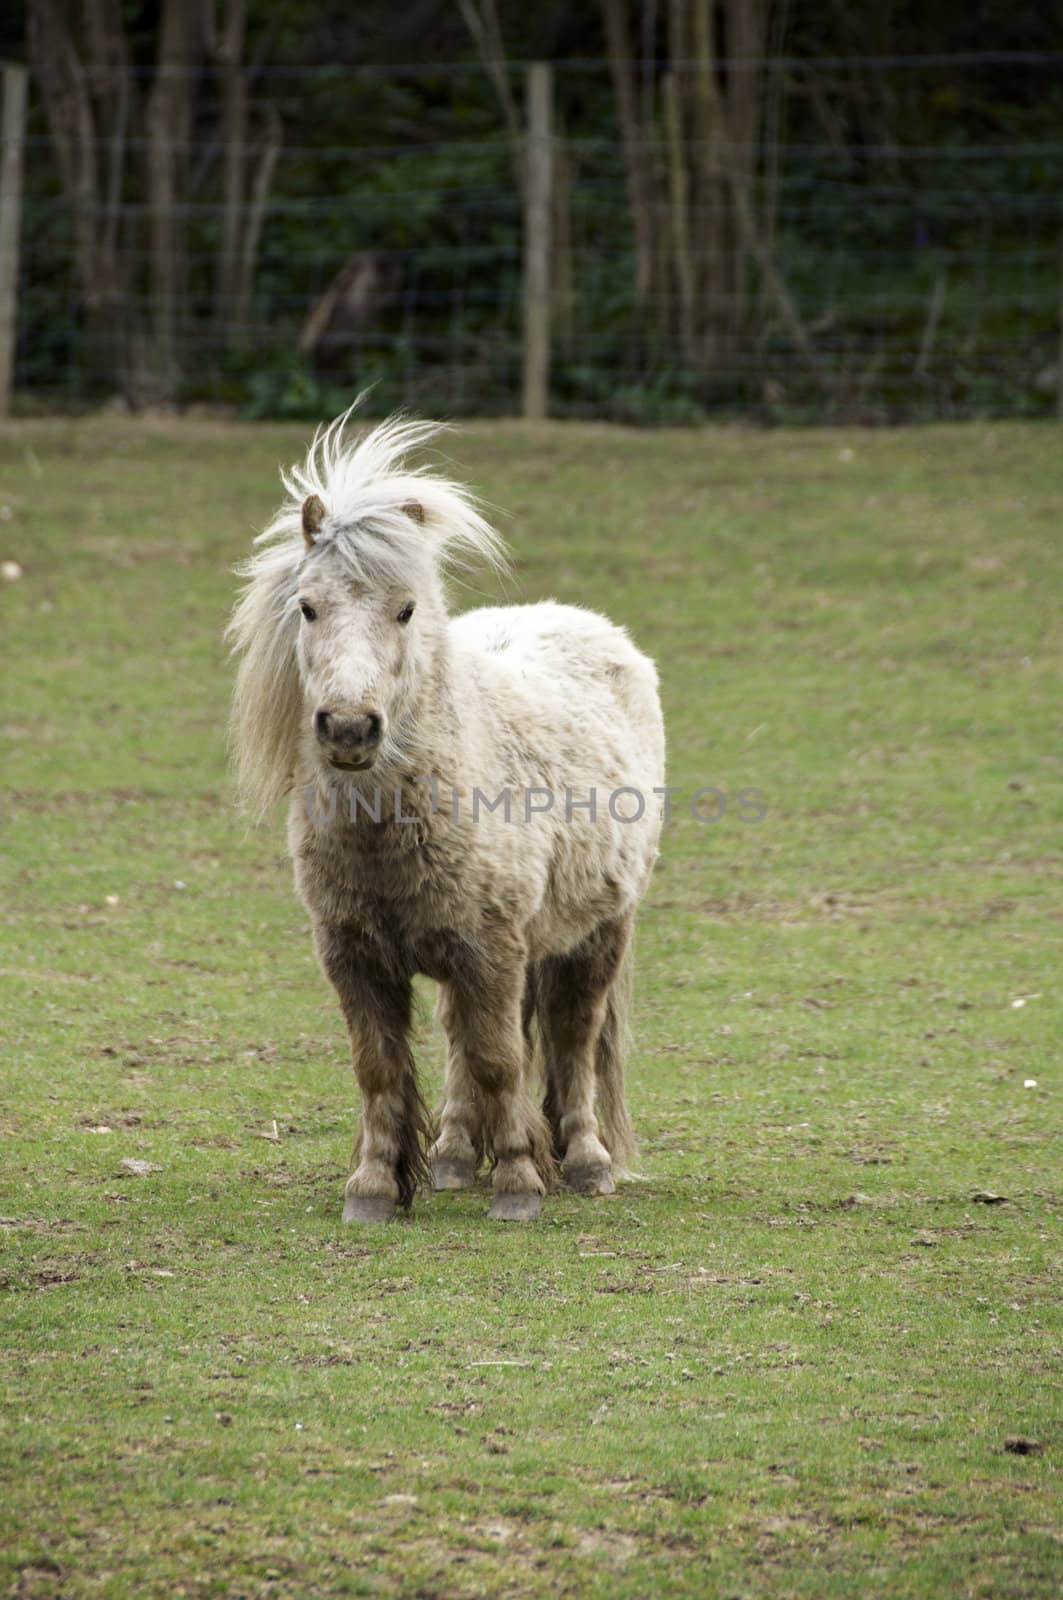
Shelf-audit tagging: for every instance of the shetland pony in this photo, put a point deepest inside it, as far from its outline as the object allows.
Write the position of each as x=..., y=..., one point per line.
x=471, y=798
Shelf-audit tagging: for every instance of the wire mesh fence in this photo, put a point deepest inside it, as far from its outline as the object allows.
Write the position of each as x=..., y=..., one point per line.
x=853, y=268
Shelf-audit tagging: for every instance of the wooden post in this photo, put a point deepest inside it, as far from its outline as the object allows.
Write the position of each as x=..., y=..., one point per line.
x=537, y=210
x=12, y=135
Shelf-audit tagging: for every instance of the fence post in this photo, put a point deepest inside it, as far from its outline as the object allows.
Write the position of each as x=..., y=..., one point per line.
x=12, y=134
x=537, y=212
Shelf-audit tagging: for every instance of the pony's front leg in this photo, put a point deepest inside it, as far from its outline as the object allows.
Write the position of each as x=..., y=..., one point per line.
x=484, y=1007
x=377, y=1005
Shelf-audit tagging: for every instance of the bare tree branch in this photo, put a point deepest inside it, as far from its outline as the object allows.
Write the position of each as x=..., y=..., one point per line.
x=261, y=184
x=486, y=30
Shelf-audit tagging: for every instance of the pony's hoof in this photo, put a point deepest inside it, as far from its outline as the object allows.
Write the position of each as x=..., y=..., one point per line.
x=590, y=1180
x=515, y=1207
x=451, y=1173
x=368, y=1208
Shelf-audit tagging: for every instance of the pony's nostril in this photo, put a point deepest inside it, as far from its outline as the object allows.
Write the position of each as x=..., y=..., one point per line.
x=374, y=726
x=321, y=724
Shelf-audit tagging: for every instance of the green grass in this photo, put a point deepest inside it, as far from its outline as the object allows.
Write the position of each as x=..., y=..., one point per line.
x=784, y=1364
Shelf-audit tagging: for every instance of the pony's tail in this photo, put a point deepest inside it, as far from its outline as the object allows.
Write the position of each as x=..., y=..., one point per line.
x=618, y=1135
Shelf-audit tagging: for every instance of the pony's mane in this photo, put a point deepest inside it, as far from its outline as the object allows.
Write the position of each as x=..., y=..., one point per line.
x=365, y=486
x=384, y=518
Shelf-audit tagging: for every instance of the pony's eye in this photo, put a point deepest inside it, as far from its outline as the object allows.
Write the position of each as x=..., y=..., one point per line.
x=308, y=611
x=406, y=613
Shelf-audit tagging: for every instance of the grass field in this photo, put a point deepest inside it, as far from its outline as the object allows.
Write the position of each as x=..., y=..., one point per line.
x=805, y=1356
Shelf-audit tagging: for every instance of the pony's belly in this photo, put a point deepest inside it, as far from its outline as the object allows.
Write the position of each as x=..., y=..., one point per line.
x=560, y=925
x=598, y=875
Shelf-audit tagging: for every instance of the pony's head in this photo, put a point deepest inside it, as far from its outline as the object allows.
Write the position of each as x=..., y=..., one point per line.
x=342, y=623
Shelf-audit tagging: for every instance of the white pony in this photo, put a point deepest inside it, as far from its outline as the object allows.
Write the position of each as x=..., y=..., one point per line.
x=472, y=798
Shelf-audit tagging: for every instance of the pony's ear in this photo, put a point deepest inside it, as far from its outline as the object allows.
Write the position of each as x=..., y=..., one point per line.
x=313, y=517
x=415, y=511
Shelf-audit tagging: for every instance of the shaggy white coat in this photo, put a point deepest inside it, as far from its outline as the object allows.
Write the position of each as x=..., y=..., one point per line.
x=534, y=699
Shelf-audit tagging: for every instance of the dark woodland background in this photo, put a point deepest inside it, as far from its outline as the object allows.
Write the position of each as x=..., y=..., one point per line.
x=786, y=209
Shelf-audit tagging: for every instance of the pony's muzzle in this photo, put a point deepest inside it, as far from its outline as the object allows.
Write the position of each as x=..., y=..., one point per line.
x=349, y=742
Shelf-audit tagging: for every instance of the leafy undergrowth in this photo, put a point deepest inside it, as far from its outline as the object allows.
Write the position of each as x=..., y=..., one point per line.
x=810, y=1351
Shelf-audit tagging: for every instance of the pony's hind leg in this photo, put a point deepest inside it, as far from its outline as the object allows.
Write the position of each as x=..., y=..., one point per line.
x=458, y=1147
x=486, y=1012
x=575, y=1000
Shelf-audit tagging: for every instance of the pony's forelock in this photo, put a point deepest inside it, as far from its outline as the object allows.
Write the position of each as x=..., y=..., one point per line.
x=367, y=485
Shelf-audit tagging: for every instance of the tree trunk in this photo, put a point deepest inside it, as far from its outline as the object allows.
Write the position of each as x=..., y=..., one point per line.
x=775, y=93
x=682, y=262
x=747, y=28
x=713, y=125
x=717, y=320
x=88, y=102
x=227, y=49
x=169, y=124
x=639, y=184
